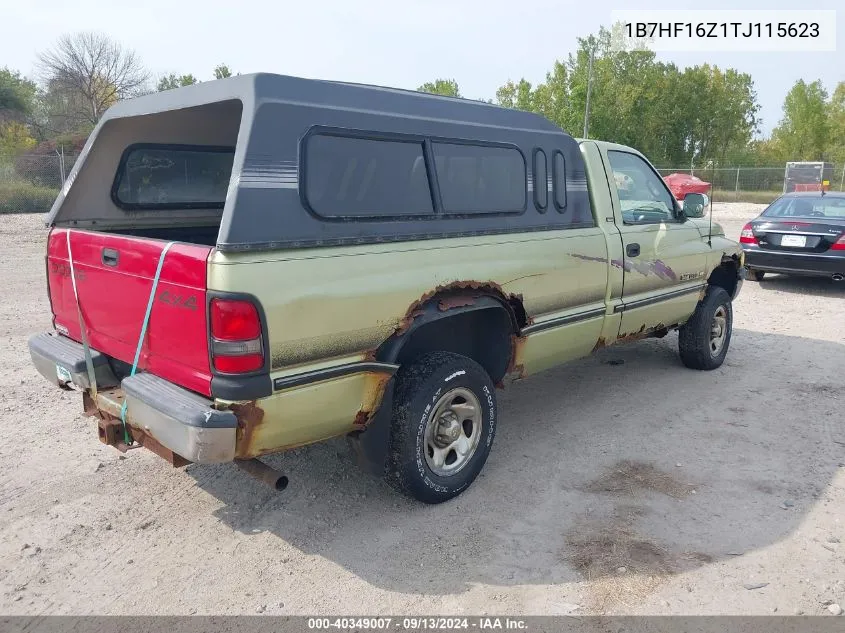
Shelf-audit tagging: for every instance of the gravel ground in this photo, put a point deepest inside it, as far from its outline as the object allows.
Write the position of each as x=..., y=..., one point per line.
x=633, y=487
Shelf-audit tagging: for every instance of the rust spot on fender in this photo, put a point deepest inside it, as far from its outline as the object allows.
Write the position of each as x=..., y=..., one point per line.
x=456, y=301
x=371, y=399
x=515, y=370
x=453, y=297
x=250, y=416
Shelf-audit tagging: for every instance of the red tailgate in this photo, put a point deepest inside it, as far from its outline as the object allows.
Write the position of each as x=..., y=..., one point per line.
x=114, y=297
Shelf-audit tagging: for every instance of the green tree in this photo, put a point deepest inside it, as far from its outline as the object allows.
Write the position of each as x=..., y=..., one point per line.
x=14, y=139
x=836, y=123
x=17, y=95
x=698, y=115
x=444, y=87
x=171, y=81
x=222, y=72
x=517, y=95
x=803, y=130
x=717, y=113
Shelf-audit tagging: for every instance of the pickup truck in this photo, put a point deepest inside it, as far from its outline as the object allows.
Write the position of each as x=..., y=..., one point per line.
x=244, y=266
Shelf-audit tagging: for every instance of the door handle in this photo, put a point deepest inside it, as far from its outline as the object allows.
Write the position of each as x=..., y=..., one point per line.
x=632, y=250
x=110, y=256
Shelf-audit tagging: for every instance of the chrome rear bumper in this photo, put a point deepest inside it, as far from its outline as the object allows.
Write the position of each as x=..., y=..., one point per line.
x=177, y=419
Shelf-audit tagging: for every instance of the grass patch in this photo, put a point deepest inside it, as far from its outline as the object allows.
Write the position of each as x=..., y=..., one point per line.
x=629, y=477
x=758, y=197
x=621, y=566
x=25, y=197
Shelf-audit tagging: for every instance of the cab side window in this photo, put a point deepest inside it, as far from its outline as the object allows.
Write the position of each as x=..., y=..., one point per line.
x=644, y=197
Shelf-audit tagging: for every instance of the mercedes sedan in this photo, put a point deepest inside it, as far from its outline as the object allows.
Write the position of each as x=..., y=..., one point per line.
x=798, y=234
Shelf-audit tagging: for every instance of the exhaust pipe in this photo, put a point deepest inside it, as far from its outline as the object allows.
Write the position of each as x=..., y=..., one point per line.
x=837, y=277
x=263, y=473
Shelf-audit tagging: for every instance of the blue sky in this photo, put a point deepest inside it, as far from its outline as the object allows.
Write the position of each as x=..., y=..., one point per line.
x=480, y=43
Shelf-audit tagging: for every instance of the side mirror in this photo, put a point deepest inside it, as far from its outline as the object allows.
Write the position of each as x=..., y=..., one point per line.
x=695, y=204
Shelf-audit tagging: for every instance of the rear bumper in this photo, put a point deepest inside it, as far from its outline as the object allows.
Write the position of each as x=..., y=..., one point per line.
x=181, y=421
x=810, y=264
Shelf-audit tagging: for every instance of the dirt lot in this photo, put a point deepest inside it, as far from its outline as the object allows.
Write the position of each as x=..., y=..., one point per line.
x=633, y=487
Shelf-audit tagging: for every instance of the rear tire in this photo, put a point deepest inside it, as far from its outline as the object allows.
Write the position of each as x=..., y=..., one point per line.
x=444, y=418
x=757, y=275
x=703, y=341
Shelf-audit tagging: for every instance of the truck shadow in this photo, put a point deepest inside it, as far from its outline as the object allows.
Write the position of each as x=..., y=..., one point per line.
x=625, y=459
x=815, y=286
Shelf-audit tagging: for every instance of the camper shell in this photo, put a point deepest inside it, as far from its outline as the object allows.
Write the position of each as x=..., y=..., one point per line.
x=283, y=134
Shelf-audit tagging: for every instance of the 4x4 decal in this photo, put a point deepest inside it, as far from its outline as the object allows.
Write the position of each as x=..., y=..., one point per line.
x=189, y=302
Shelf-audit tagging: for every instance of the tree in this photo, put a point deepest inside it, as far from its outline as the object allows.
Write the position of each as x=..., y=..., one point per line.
x=17, y=95
x=222, y=72
x=85, y=73
x=516, y=95
x=836, y=123
x=700, y=114
x=171, y=81
x=443, y=87
x=803, y=130
x=14, y=139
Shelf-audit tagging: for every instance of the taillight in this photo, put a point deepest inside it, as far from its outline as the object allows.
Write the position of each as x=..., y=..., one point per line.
x=747, y=235
x=236, y=345
x=839, y=245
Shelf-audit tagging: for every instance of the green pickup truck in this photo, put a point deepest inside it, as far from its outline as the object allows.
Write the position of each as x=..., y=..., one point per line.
x=244, y=266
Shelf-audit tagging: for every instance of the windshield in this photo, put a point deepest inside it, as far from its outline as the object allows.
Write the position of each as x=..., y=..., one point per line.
x=173, y=177
x=807, y=207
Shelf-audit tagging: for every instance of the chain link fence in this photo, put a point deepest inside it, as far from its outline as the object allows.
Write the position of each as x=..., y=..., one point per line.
x=29, y=183
x=751, y=184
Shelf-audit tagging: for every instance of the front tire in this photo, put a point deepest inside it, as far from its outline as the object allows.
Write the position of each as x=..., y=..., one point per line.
x=757, y=275
x=444, y=421
x=703, y=341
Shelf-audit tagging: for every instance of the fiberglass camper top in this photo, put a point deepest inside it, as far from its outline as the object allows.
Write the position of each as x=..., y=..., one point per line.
x=267, y=161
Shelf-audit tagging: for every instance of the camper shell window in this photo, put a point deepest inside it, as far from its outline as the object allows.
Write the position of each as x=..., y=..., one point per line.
x=153, y=176
x=541, y=186
x=560, y=181
x=476, y=178
x=356, y=177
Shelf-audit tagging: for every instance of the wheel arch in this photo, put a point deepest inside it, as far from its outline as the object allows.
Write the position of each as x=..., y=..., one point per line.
x=727, y=275
x=476, y=321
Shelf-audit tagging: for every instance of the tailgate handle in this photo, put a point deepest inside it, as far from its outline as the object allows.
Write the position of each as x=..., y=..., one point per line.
x=110, y=257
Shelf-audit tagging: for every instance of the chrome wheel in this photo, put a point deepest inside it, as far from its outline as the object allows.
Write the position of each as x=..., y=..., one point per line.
x=718, y=331
x=452, y=432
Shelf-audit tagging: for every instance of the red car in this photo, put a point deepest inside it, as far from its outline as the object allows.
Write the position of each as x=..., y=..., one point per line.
x=682, y=184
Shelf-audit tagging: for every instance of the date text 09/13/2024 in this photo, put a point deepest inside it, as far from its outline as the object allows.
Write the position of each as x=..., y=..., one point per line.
x=418, y=623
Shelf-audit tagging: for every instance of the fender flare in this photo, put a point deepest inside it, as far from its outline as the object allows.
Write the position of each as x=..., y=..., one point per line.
x=437, y=308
